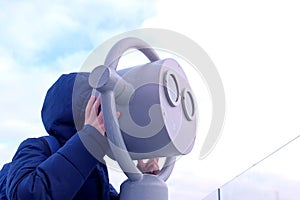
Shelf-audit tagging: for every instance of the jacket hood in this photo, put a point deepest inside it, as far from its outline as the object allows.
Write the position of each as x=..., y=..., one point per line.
x=64, y=105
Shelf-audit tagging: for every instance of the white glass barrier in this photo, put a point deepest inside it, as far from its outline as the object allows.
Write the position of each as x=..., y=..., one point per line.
x=277, y=177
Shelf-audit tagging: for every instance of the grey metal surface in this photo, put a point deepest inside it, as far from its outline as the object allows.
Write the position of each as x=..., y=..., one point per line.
x=148, y=188
x=157, y=116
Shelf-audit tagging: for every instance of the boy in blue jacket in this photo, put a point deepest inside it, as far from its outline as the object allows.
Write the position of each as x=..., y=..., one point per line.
x=71, y=172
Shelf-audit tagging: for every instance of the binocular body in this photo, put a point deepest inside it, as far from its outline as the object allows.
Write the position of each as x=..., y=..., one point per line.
x=158, y=110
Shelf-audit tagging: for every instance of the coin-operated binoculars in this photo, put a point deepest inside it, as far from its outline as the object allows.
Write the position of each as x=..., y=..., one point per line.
x=158, y=116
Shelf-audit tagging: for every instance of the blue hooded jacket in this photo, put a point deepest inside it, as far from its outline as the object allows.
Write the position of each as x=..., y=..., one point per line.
x=71, y=172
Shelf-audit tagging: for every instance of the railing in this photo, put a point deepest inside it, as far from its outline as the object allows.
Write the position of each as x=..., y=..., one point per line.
x=276, y=177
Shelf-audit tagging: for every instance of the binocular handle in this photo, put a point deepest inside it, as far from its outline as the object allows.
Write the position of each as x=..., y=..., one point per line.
x=116, y=52
x=104, y=78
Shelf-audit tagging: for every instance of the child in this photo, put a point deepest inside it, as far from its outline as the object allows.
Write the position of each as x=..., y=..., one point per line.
x=71, y=172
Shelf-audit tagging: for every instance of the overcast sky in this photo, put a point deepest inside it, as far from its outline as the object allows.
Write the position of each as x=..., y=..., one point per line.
x=255, y=46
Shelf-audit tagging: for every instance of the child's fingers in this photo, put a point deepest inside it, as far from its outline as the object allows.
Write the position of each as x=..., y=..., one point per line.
x=141, y=162
x=154, y=159
x=151, y=168
x=97, y=104
x=89, y=106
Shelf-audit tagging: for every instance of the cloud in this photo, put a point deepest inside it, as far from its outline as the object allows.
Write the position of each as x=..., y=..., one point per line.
x=254, y=46
x=36, y=32
x=41, y=40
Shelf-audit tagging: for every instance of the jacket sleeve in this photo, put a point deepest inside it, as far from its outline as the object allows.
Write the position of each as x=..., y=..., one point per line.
x=113, y=193
x=35, y=175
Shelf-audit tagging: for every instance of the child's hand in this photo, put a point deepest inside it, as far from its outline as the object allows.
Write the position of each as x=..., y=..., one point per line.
x=92, y=117
x=150, y=167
